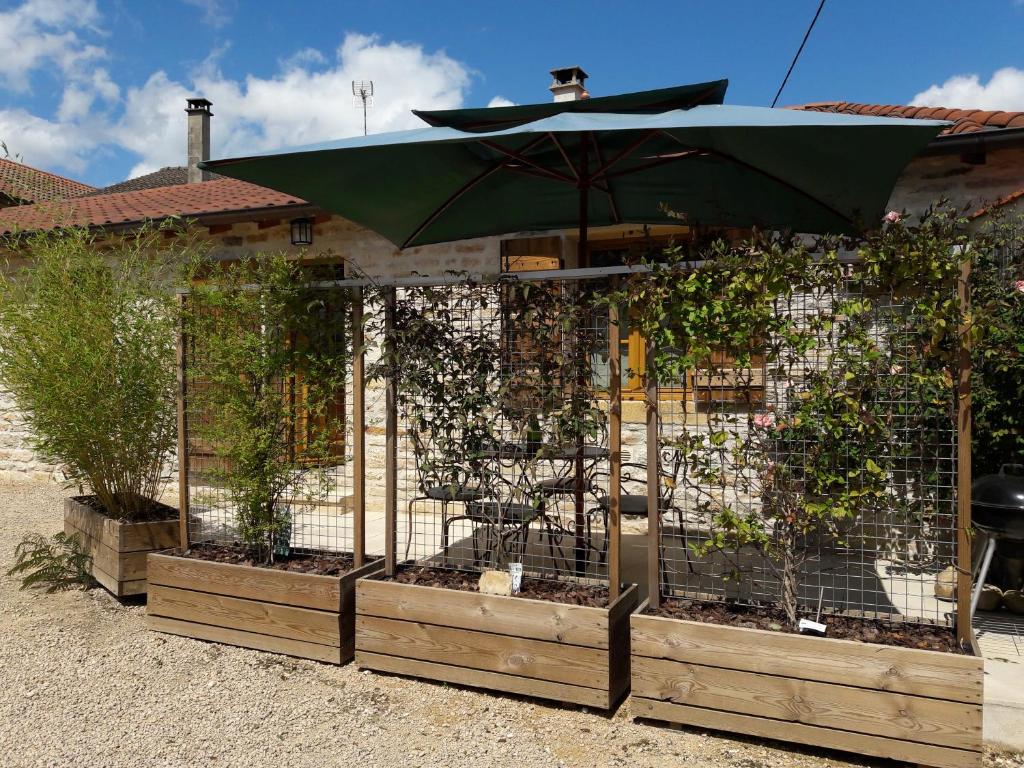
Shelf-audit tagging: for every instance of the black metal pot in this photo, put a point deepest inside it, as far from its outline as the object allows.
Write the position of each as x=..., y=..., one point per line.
x=997, y=503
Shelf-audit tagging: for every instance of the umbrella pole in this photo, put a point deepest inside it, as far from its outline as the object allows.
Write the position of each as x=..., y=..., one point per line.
x=581, y=545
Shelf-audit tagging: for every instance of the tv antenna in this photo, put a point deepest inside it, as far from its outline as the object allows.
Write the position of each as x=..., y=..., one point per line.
x=362, y=96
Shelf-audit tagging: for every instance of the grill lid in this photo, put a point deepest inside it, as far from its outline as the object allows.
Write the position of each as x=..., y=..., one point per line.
x=1004, y=490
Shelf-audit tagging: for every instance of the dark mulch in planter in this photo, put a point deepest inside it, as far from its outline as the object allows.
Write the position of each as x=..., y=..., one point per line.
x=155, y=511
x=320, y=565
x=925, y=637
x=534, y=589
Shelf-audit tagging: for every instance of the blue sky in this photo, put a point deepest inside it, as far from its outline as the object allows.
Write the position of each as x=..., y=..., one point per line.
x=94, y=89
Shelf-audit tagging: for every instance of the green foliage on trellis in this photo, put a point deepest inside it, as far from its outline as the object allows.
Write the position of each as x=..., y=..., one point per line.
x=828, y=454
x=253, y=327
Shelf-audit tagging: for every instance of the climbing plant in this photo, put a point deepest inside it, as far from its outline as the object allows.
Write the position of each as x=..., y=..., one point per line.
x=266, y=372
x=855, y=412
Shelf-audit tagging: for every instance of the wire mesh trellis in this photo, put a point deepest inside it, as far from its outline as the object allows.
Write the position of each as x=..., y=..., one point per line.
x=731, y=446
x=503, y=450
x=312, y=407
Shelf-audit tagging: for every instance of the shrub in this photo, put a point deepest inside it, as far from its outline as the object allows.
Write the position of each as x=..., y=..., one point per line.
x=87, y=350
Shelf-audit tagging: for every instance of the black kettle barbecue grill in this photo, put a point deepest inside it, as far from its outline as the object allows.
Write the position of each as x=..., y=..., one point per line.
x=997, y=509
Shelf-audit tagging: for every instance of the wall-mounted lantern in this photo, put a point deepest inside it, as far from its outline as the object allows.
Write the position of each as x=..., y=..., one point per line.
x=302, y=231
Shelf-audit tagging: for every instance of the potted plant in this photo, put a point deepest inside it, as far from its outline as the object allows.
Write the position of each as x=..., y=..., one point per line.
x=267, y=362
x=483, y=389
x=87, y=351
x=841, y=458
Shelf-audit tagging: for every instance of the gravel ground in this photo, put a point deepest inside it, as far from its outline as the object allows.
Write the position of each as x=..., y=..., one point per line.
x=82, y=683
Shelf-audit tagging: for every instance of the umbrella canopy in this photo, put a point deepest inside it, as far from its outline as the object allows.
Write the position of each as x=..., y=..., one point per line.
x=713, y=164
x=640, y=102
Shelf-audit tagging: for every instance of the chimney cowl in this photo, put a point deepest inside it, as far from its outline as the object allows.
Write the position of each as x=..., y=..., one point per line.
x=199, y=115
x=568, y=83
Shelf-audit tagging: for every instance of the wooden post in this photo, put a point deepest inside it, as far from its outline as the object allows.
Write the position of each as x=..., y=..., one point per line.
x=614, y=529
x=963, y=464
x=391, y=440
x=183, y=507
x=653, y=487
x=358, y=432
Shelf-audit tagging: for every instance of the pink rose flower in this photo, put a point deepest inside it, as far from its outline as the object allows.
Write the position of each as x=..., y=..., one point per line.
x=1019, y=286
x=764, y=420
x=893, y=217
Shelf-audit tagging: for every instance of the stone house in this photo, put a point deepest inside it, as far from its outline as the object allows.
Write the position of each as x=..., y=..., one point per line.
x=979, y=160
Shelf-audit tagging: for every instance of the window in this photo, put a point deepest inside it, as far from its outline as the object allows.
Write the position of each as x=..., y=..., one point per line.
x=720, y=383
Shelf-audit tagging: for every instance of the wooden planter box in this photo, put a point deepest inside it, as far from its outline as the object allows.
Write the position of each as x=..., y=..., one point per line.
x=297, y=614
x=917, y=706
x=118, y=549
x=569, y=653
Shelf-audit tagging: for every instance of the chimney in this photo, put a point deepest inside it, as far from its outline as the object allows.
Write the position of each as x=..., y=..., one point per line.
x=568, y=84
x=199, y=115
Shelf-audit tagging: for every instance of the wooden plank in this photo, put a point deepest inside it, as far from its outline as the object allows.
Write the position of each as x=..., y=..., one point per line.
x=536, y=659
x=146, y=537
x=515, y=616
x=882, y=713
x=347, y=607
x=903, y=670
x=245, y=615
x=90, y=523
x=494, y=681
x=288, y=647
x=964, y=563
x=121, y=536
x=266, y=584
x=618, y=642
x=865, y=744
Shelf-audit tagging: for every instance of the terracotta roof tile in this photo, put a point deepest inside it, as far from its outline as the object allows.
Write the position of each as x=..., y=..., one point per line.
x=964, y=120
x=23, y=182
x=187, y=200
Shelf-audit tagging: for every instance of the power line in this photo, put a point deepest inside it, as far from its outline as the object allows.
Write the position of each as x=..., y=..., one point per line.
x=798, y=52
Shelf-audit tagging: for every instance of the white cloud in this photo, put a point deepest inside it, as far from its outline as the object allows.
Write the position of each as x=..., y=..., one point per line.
x=500, y=101
x=44, y=33
x=1005, y=90
x=308, y=99
x=215, y=12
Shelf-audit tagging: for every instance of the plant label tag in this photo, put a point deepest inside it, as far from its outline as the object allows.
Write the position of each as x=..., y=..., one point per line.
x=808, y=627
x=515, y=572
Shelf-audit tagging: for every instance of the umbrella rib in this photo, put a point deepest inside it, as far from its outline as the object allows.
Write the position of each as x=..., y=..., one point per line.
x=523, y=159
x=625, y=152
x=438, y=212
x=565, y=155
x=607, y=188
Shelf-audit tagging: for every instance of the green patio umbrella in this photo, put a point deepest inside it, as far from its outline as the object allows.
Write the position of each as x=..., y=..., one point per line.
x=713, y=164
x=560, y=166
